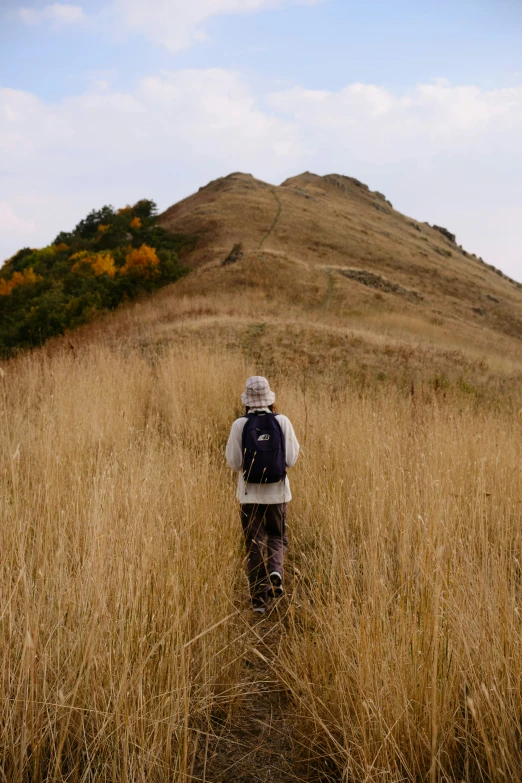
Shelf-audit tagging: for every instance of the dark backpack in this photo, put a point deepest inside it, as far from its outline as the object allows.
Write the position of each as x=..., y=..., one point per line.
x=264, y=449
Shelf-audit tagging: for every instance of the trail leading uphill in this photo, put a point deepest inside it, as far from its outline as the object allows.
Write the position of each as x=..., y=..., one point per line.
x=258, y=744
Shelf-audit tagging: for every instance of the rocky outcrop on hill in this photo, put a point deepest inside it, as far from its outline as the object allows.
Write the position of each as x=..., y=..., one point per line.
x=376, y=281
x=446, y=233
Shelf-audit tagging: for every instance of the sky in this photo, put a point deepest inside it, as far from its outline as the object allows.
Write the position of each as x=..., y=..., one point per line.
x=110, y=101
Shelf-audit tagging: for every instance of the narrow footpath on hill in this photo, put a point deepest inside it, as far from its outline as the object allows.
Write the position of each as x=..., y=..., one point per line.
x=276, y=218
x=258, y=743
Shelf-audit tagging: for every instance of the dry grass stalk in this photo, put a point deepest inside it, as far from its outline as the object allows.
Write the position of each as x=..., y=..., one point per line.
x=122, y=555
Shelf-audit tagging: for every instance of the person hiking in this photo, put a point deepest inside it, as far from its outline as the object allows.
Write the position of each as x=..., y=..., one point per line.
x=261, y=446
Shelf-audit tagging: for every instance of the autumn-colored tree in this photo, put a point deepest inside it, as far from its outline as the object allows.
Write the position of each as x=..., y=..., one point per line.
x=101, y=263
x=80, y=258
x=104, y=264
x=18, y=278
x=109, y=257
x=5, y=287
x=142, y=259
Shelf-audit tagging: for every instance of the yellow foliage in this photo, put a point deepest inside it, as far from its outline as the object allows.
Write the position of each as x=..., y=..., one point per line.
x=18, y=278
x=101, y=263
x=143, y=258
x=60, y=247
x=80, y=256
x=125, y=210
x=104, y=263
x=103, y=228
x=29, y=277
x=135, y=222
x=5, y=287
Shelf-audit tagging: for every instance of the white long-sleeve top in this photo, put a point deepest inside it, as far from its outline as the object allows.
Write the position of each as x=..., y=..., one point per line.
x=261, y=493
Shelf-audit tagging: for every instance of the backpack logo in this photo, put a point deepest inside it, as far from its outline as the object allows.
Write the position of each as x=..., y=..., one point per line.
x=264, y=437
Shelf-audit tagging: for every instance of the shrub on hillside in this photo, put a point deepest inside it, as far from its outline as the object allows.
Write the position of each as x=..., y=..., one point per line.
x=109, y=257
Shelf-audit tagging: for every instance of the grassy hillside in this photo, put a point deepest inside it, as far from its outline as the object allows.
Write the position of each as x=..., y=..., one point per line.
x=129, y=652
x=335, y=229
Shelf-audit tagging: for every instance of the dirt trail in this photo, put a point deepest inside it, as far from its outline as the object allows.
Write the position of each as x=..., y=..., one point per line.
x=258, y=744
x=275, y=221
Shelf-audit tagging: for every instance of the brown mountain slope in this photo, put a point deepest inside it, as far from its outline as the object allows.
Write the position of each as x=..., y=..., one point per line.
x=358, y=280
x=324, y=273
x=336, y=224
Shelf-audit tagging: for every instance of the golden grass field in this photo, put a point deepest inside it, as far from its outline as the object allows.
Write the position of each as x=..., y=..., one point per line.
x=399, y=647
x=128, y=651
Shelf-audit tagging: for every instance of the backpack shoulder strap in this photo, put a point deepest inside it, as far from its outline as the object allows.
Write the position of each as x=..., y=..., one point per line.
x=248, y=418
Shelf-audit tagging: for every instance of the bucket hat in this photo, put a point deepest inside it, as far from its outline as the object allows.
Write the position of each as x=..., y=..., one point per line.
x=257, y=393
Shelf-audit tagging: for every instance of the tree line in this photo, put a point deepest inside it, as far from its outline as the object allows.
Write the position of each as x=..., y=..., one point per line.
x=111, y=256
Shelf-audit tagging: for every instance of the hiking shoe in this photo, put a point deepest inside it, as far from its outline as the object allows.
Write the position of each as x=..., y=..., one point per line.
x=276, y=580
x=259, y=609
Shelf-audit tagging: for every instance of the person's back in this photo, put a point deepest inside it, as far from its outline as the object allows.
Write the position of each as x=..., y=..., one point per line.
x=263, y=489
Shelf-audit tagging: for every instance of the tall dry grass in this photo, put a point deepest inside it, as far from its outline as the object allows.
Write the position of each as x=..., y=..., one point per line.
x=119, y=547
x=122, y=555
x=405, y=648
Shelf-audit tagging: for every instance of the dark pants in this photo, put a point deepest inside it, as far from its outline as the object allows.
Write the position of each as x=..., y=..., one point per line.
x=263, y=527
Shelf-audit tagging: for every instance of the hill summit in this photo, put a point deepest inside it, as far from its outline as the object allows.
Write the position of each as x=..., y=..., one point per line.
x=336, y=224
x=331, y=272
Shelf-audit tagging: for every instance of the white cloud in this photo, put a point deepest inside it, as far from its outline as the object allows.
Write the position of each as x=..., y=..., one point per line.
x=442, y=153
x=13, y=226
x=57, y=14
x=428, y=118
x=176, y=24
x=162, y=116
